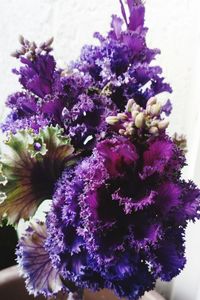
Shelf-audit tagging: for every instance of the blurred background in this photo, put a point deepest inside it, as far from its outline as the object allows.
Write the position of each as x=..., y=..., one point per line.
x=174, y=27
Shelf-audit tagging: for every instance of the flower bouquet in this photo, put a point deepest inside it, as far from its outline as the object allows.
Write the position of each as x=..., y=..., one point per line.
x=93, y=139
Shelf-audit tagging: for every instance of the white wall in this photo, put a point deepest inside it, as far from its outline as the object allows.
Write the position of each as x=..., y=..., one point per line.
x=174, y=28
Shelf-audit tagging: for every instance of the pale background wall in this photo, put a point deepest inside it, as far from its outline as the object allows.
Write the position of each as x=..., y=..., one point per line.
x=174, y=28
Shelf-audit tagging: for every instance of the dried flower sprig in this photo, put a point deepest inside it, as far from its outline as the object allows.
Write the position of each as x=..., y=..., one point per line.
x=30, y=49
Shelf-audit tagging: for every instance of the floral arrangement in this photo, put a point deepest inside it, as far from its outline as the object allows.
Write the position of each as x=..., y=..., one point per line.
x=93, y=138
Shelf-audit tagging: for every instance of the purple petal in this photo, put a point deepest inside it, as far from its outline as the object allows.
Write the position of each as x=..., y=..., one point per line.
x=129, y=204
x=117, y=26
x=157, y=157
x=134, y=42
x=168, y=197
x=117, y=153
x=136, y=18
x=190, y=206
x=169, y=257
x=167, y=108
x=41, y=277
x=37, y=75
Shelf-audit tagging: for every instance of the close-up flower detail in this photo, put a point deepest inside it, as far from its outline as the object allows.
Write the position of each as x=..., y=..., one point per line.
x=137, y=121
x=92, y=139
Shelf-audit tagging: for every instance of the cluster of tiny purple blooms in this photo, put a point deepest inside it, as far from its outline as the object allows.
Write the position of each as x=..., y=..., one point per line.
x=93, y=139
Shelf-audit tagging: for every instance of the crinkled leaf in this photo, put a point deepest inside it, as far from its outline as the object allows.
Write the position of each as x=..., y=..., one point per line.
x=31, y=164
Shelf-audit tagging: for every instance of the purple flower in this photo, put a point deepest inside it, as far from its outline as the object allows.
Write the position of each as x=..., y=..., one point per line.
x=37, y=76
x=96, y=227
x=24, y=103
x=123, y=59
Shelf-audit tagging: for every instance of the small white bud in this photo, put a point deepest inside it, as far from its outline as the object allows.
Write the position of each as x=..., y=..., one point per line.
x=122, y=131
x=156, y=109
x=153, y=130
x=112, y=120
x=32, y=46
x=154, y=123
x=23, y=50
x=29, y=55
x=136, y=107
x=42, y=45
x=15, y=54
x=122, y=116
x=126, y=124
x=21, y=39
x=129, y=105
x=130, y=131
x=162, y=125
x=49, y=41
x=38, y=51
x=139, y=120
x=134, y=113
x=151, y=101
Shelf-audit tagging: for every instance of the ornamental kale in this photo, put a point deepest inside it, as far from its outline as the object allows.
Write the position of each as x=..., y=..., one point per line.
x=93, y=139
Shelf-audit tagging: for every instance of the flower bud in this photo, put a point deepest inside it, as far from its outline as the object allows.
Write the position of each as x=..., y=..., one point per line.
x=130, y=131
x=155, y=109
x=134, y=113
x=139, y=120
x=122, y=116
x=112, y=120
x=162, y=125
x=122, y=131
x=153, y=130
x=129, y=105
x=21, y=39
x=151, y=101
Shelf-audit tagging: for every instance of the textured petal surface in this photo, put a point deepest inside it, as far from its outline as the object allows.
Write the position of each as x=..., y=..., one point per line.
x=31, y=164
x=34, y=261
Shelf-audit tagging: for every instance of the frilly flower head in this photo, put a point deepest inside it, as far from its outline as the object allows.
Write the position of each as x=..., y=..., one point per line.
x=119, y=217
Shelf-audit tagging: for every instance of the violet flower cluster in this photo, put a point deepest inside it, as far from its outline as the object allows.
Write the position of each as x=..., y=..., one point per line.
x=93, y=139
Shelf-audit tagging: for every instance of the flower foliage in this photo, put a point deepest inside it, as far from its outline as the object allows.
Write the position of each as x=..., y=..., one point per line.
x=93, y=139
x=30, y=164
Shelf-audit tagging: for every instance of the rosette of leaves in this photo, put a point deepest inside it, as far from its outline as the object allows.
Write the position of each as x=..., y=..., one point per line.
x=30, y=164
